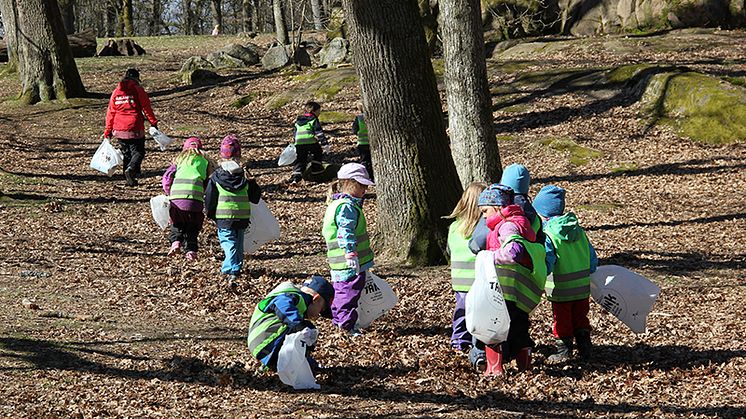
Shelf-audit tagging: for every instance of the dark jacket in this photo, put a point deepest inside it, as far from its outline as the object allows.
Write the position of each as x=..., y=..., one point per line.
x=232, y=181
x=317, y=130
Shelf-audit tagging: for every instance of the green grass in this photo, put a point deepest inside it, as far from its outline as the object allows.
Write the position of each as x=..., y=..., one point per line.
x=578, y=154
x=245, y=100
x=504, y=137
x=738, y=81
x=624, y=167
x=331, y=117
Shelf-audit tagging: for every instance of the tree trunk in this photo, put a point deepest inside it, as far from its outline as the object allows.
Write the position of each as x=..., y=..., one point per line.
x=9, y=11
x=129, y=29
x=217, y=13
x=45, y=64
x=67, y=9
x=417, y=180
x=281, y=29
x=473, y=143
x=154, y=25
x=247, y=17
x=318, y=16
x=255, y=16
x=111, y=18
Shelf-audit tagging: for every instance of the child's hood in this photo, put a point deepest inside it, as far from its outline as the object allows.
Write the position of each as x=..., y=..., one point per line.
x=515, y=215
x=230, y=176
x=304, y=119
x=564, y=227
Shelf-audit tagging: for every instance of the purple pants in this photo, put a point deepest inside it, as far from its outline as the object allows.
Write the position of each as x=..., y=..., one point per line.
x=460, y=337
x=344, y=306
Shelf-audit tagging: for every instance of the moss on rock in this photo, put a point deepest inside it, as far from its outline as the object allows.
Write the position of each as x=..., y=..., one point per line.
x=578, y=154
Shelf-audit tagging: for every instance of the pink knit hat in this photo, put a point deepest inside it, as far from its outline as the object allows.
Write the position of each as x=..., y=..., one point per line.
x=230, y=147
x=192, y=142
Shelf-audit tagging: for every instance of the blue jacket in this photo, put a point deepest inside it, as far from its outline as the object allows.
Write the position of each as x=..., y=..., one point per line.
x=284, y=307
x=346, y=220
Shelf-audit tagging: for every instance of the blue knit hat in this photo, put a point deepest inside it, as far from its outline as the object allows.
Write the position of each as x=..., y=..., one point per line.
x=517, y=177
x=496, y=195
x=550, y=201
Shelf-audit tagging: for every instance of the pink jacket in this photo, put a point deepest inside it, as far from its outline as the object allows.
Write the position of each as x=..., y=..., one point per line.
x=511, y=214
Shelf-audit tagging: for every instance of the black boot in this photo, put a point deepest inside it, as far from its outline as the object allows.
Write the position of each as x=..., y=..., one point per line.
x=564, y=351
x=583, y=338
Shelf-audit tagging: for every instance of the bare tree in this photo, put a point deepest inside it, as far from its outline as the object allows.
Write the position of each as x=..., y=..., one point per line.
x=45, y=64
x=154, y=23
x=247, y=18
x=281, y=28
x=217, y=13
x=473, y=143
x=67, y=9
x=129, y=27
x=318, y=14
x=9, y=12
x=417, y=180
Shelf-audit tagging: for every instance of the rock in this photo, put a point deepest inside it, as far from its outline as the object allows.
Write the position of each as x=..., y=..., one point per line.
x=29, y=304
x=276, y=57
x=200, y=77
x=220, y=59
x=247, y=55
x=194, y=63
x=335, y=52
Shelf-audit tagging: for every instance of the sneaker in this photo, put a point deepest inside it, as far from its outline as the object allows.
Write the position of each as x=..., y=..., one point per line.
x=295, y=179
x=232, y=282
x=175, y=248
x=191, y=256
x=355, y=332
x=129, y=175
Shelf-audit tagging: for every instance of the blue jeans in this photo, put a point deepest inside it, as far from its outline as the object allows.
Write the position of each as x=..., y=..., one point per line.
x=232, y=243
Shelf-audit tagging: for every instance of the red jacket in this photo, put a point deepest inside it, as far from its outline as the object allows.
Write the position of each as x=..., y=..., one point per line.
x=127, y=105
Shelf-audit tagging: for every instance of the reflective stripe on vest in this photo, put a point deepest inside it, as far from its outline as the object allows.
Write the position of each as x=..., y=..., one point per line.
x=336, y=255
x=189, y=180
x=304, y=133
x=571, y=280
x=233, y=205
x=520, y=285
x=265, y=327
x=462, y=259
x=362, y=131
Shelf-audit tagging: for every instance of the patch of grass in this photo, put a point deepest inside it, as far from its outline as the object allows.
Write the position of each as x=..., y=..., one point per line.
x=327, y=92
x=738, y=81
x=578, y=154
x=600, y=206
x=504, y=137
x=190, y=129
x=245, y=100
x=624, y=167
x=331, y=117
x=278, y=101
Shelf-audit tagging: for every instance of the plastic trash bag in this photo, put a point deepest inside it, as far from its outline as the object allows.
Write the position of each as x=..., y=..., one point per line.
x=263, y=228
x=159, y=206
x=106, y=158
x=292, y=365
x=162, y=139
x=487, y=317
x=625, y=294
x=288, y=155
x=376, y=299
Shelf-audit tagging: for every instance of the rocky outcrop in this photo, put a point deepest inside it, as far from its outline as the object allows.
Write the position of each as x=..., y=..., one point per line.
x=194, y=63
x=335, y=52
x=234, y=56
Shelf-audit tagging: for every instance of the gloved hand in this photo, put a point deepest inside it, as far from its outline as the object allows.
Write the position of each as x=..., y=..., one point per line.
x=326, y=148
x=309, y=336
x=353, y=262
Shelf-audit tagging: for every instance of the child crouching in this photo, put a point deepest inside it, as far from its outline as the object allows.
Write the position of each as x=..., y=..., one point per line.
x=230, y=191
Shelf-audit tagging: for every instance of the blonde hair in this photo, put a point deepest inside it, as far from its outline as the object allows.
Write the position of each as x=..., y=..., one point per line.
x=198, y=151
x=340, y=186
x=360, y=107
x=467, y=211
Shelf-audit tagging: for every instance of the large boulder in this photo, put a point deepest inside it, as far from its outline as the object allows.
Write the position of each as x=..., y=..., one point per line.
x=200, y=77
x=277, y=57
x=335, y=52
x=194, y=63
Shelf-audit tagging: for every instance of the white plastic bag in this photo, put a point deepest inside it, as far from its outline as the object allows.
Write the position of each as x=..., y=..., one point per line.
x=377, y=299
x=162, y=139
x=288, y=155
x=159, y=206
x=625, y=294
x=263, y=228
x=487, y=317
x=106, y=158
x=292, y=365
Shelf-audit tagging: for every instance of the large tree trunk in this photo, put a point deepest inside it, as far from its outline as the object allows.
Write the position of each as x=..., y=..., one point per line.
x=67, y=9
x=217, y=13
x=129, y=28
x=45, y=64
x=247, y=16
x=154, y=25
x=10, y=15
x=417, y=180
x=318, y=15
x=281, y=28
x=429, y=21
x=473, y=143
x=111, y=18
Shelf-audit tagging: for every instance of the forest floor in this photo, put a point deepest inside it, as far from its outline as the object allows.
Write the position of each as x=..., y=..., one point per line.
x=95, y=320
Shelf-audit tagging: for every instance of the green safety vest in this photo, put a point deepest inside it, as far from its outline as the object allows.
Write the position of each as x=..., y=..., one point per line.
x=265, y=327
x=536, y=224
x=304, y=133
x=571, y=280
x=462, y=259
x=362, y=131
x=335, y=255
x=189, y=180
x=520, y=285
x=233, y=205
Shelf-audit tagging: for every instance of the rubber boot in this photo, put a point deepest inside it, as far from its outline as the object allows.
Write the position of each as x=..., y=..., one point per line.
x=523, y=360
x=494, y=361
x=564, y=351
x=583, y=338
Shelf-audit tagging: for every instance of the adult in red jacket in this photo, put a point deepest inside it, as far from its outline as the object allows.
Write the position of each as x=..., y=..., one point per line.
x=124, y=119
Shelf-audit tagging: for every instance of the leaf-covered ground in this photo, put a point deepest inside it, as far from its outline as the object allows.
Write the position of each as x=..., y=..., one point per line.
x=96, y=321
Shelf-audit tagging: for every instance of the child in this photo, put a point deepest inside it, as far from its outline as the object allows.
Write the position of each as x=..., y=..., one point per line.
x=360, y=129
x=465, y=215
x=184, y=183
x=287, y=309
x=229, y=192
x=347, y=243
x=572, y=258
x=521, y=272
x=309, y=139
x=517, y=177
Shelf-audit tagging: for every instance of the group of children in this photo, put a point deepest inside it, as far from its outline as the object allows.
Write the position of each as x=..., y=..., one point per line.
x=529, y=241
